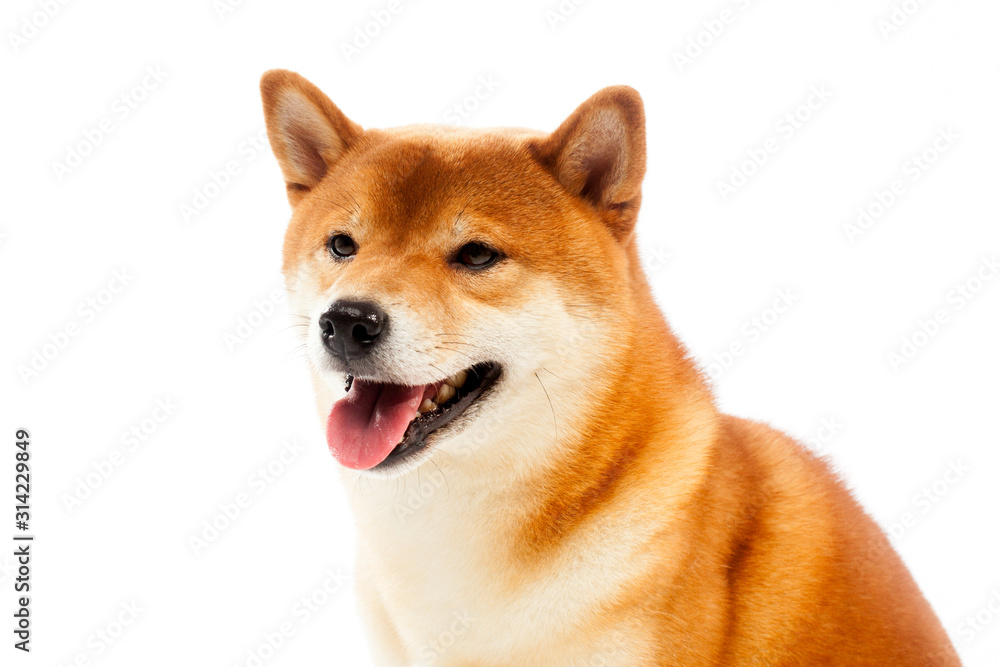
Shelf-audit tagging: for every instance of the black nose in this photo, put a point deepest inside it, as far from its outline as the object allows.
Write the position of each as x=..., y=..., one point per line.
x=351, y=328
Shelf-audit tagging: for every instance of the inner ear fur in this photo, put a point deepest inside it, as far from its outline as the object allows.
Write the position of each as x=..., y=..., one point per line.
x=307, y=132
x=599, y=155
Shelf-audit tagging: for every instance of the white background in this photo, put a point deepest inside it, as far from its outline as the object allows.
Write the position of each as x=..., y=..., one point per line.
x=898, y=430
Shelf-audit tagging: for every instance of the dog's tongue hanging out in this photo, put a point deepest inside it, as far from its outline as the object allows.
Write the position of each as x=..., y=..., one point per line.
x=369, y=422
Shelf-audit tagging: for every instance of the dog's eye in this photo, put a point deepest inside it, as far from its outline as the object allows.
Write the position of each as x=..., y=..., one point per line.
x=477, y=256
x=342, y=245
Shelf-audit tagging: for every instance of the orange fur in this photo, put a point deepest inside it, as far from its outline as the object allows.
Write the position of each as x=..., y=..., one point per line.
x=617, y=514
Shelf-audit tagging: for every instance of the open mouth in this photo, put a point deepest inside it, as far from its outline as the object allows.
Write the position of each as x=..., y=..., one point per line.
x=377, y=425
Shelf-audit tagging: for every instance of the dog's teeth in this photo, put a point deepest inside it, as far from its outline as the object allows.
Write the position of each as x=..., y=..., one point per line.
x=458, y=379
x=444, y=393
x=427, y=406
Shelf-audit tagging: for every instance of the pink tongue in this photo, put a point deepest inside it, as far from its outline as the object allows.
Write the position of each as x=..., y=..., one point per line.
x=369, y=422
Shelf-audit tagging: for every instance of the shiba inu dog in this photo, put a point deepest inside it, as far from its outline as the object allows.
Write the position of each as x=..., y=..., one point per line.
x=482, y=339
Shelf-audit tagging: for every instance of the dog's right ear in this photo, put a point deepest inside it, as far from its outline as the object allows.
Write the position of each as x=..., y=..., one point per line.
x=308, y=133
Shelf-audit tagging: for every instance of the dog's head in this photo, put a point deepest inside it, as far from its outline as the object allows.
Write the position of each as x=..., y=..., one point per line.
x=455, y=277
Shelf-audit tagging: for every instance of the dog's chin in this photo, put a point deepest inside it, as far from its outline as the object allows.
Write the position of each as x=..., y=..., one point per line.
x=462, y=397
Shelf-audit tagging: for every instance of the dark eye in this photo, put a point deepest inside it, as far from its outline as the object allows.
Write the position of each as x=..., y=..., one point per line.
x=477, y=256
x=342, y=245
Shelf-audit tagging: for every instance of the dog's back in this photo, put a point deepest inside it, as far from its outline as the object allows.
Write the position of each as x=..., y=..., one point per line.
x=811, y=579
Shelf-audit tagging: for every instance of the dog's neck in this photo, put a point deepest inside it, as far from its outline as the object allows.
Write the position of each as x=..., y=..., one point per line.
x=600, y=468
x=530, y=478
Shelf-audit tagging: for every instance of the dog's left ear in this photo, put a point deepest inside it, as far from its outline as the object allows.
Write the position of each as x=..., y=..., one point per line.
x=599, y=154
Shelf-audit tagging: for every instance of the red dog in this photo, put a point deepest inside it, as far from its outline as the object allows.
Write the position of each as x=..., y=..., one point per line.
x=582, y=500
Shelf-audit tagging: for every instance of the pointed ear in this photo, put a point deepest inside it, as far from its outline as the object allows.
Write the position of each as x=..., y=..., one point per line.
x=599, y=155
x=308, y=133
